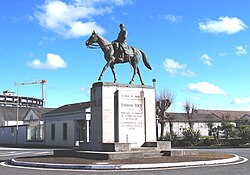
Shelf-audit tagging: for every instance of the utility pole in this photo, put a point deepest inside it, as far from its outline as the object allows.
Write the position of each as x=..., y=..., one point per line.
x=42, y=82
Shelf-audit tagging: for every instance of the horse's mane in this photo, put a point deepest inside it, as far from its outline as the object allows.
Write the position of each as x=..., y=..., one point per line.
x=103, y=39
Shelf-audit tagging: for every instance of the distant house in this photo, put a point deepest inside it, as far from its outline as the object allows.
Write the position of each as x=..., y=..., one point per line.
x=26, y=115
x=201, y=119
x=243, y=120
x=68, y=125
x=181, y=122
x=29, y=121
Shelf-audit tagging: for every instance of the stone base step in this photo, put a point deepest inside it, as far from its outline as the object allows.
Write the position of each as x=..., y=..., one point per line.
x=153, y=154
x=146, y=149
x=96, y=155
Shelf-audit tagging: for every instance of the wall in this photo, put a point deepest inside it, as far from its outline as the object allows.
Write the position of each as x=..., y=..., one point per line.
x=178, y=127
x=8, y=136
x=59, y=133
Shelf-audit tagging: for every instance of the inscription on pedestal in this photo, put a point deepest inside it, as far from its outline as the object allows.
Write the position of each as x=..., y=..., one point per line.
x=131, y=116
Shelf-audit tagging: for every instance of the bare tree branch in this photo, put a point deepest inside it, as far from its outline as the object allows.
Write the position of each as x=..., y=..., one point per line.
x=164, y=99
x=189, y=109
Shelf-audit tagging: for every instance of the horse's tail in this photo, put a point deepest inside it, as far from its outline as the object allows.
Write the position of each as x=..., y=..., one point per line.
x=145, y=60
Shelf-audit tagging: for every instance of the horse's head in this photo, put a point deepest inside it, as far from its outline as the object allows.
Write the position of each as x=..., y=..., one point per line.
x=92, y=39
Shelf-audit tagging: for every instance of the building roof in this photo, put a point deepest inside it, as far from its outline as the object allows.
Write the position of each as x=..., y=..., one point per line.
x=225, y=114
x=70, y=108
x=9, y=113
x=182, y=117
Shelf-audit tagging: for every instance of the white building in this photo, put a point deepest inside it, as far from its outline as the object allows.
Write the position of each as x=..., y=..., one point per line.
x=27, y=122
x=68, y=125
x=201, y=118
x=200, y=122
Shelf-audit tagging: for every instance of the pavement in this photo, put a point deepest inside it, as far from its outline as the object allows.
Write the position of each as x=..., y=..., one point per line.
x=234, y=159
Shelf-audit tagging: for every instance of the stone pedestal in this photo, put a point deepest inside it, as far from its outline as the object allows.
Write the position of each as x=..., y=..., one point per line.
x=122, y=117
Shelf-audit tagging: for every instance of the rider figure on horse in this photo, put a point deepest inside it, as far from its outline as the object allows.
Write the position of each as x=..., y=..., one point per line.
x=121, y=41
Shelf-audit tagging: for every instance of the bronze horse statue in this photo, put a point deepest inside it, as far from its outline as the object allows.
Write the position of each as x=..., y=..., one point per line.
x=109, y=52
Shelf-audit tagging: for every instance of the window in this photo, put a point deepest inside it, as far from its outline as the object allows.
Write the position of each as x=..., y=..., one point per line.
x=35, y=132
x=12, y=131
x=64, y=131
x=31, y=117
x=53, y=131
x=2, y=131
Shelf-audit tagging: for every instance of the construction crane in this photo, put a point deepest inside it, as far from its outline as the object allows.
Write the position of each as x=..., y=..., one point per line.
x=42, y=82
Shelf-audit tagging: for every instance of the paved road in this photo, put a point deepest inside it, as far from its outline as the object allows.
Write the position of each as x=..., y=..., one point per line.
x=240, y=169
x=9, y=153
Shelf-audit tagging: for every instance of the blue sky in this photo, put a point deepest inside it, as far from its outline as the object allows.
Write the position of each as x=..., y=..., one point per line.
x=198, y=49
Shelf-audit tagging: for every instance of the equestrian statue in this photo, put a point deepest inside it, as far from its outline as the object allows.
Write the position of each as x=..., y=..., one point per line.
x=117, y=52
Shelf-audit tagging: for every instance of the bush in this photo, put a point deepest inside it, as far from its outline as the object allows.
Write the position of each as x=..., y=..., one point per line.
x=245, y=133
x=235, y=142
x=170, y=137
x=191, y=136
x=206, y=142
x=182, y=143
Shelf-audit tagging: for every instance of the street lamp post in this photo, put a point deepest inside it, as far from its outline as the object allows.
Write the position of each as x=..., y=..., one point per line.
x=156, y=118
x=17, y=117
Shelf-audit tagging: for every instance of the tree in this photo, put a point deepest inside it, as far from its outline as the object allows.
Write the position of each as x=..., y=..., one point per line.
x=227, y=127
x=244, y=133
x=189, y=109
x=164, y=99
x=210, y=126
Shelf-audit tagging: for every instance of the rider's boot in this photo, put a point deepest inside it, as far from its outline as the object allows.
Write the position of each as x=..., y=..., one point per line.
x=122, y=56
x=119, y=57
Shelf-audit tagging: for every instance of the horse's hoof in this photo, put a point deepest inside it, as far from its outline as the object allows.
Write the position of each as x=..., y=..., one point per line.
x=100, y=78
x=114, y=81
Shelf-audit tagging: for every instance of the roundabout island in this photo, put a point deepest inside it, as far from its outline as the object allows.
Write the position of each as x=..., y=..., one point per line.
x=167, y=162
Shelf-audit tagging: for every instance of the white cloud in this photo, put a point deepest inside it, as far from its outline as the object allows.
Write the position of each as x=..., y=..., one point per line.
x=228, y=25
x=173, y=18
x=75, y=18
x=82, y=29
x=205, y=88
x=45, y=40
x=53, y=62
x=241, y=50
x=245, y=108
x=85, y=90
x=173, y=67
x=242, y=100
x=206, y=59
x=222, y=54
x=188, y=73
x=119, y=2
x=197, y=98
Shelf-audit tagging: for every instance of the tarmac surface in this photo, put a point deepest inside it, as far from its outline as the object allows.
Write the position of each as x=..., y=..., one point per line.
x=201, y=159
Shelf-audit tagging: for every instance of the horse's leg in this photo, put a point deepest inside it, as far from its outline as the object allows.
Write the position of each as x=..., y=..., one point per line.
x=134, y=65
x=113, y=71
x=139, y=73
x=104, y=69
